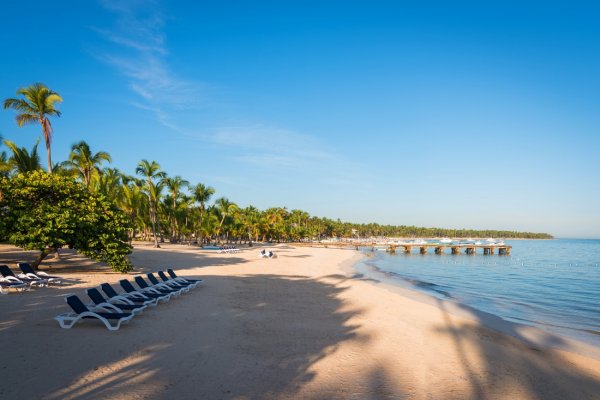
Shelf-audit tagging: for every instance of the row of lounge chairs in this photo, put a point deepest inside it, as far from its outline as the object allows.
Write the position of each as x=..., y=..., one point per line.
x=26, y=279
x=117, y=308
x=229, y=249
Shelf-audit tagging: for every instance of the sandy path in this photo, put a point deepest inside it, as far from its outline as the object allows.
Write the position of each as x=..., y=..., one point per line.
x=302, y=325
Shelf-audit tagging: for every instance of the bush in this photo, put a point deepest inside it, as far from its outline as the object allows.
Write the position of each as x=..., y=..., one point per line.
x=41, y=211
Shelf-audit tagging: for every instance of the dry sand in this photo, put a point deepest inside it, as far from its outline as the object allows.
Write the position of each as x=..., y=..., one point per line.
x=302, y=326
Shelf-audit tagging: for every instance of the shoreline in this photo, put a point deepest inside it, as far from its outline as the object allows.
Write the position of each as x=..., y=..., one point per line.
x=529, y=334
x=303, y=325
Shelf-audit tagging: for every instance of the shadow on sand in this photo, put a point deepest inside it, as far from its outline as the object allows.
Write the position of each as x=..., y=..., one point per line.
x=233, y=338
x=533, y=373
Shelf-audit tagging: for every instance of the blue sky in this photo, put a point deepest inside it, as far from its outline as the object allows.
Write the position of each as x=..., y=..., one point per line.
x=451, y=114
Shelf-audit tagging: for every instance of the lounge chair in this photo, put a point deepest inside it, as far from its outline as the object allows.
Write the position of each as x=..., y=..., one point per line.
x=147, y=294
x=10, y=276
x=121, y=306
x=163, y=288
x=6, y=285
x=166, y=279
x=229, y=249
x=128, y=298
x=171, y=284
x=30, y=273
x=174, y=276
x=81, y=311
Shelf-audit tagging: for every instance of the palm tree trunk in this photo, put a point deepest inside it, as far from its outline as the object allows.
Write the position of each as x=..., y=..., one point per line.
x=46, y=132
x=152, y=218
x=200, y=238
x=49, y=158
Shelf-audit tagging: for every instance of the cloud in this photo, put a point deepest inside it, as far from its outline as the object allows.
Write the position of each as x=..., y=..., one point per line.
x=301, y=156
x=267, y=146
x=135, y=46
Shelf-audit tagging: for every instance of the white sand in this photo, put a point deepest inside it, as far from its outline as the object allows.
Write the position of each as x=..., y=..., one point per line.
x=301, y=326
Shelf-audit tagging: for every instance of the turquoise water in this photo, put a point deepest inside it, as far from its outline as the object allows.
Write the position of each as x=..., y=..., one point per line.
x=551, y=284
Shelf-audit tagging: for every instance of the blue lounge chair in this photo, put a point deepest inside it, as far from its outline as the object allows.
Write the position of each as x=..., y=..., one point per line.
x=172, y=284
x=99, y=300
x=30, y=273
x=81, y=311
x=6, y=285
x=166, y=279
x=174, y=276
x=147, y=294
x=11, y=277
x=129, y=298
x=158, y=289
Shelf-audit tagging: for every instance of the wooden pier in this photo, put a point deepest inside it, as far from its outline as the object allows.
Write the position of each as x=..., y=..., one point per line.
x=439, y=248
x=424, y=248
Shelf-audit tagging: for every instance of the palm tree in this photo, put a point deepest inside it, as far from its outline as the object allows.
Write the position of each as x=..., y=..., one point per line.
x=202, y=194
x=21, y=160
x=273, y=222
x=251, y=219
x=131, y=201
x=174, y=185
x=150, y=171
x=4, y=166
x=225, y=208
x=109, y=183
x=85, y=162
x=36, y=107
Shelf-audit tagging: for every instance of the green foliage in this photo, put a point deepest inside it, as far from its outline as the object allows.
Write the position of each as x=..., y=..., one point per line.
x=22, y=161
x=41, y=211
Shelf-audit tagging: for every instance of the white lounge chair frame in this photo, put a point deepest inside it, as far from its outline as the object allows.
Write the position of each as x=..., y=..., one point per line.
x=22, y=286
x=67, y=320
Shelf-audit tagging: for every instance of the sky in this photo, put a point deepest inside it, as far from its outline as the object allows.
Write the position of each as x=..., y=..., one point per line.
x=479, y=115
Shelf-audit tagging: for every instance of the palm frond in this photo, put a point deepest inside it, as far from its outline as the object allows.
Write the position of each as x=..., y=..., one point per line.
x=22, y=160
x=26, y=119
x=19, y=105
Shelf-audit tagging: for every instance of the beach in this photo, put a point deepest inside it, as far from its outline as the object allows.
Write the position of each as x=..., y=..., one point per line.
x=304, y=325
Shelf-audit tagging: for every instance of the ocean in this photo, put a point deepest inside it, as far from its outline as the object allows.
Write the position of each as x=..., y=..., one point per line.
x=551, y=284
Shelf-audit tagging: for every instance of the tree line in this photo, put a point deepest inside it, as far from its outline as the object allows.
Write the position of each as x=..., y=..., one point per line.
x=161, y=207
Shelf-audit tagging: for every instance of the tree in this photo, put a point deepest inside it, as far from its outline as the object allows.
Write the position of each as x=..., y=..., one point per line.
x=174, y=186
x=108, y=183
x=4, y=165
x=21, y=160
x=202, y=194
x=132, y=202
x=225, y=208
x=250, y=217
x=36, y=107
x=44, y=212
x=151, y=171
x=85, y=162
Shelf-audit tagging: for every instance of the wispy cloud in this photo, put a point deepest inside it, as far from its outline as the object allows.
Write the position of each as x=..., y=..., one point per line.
x=136, y=48
x=298, y=154
x=272, y=147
